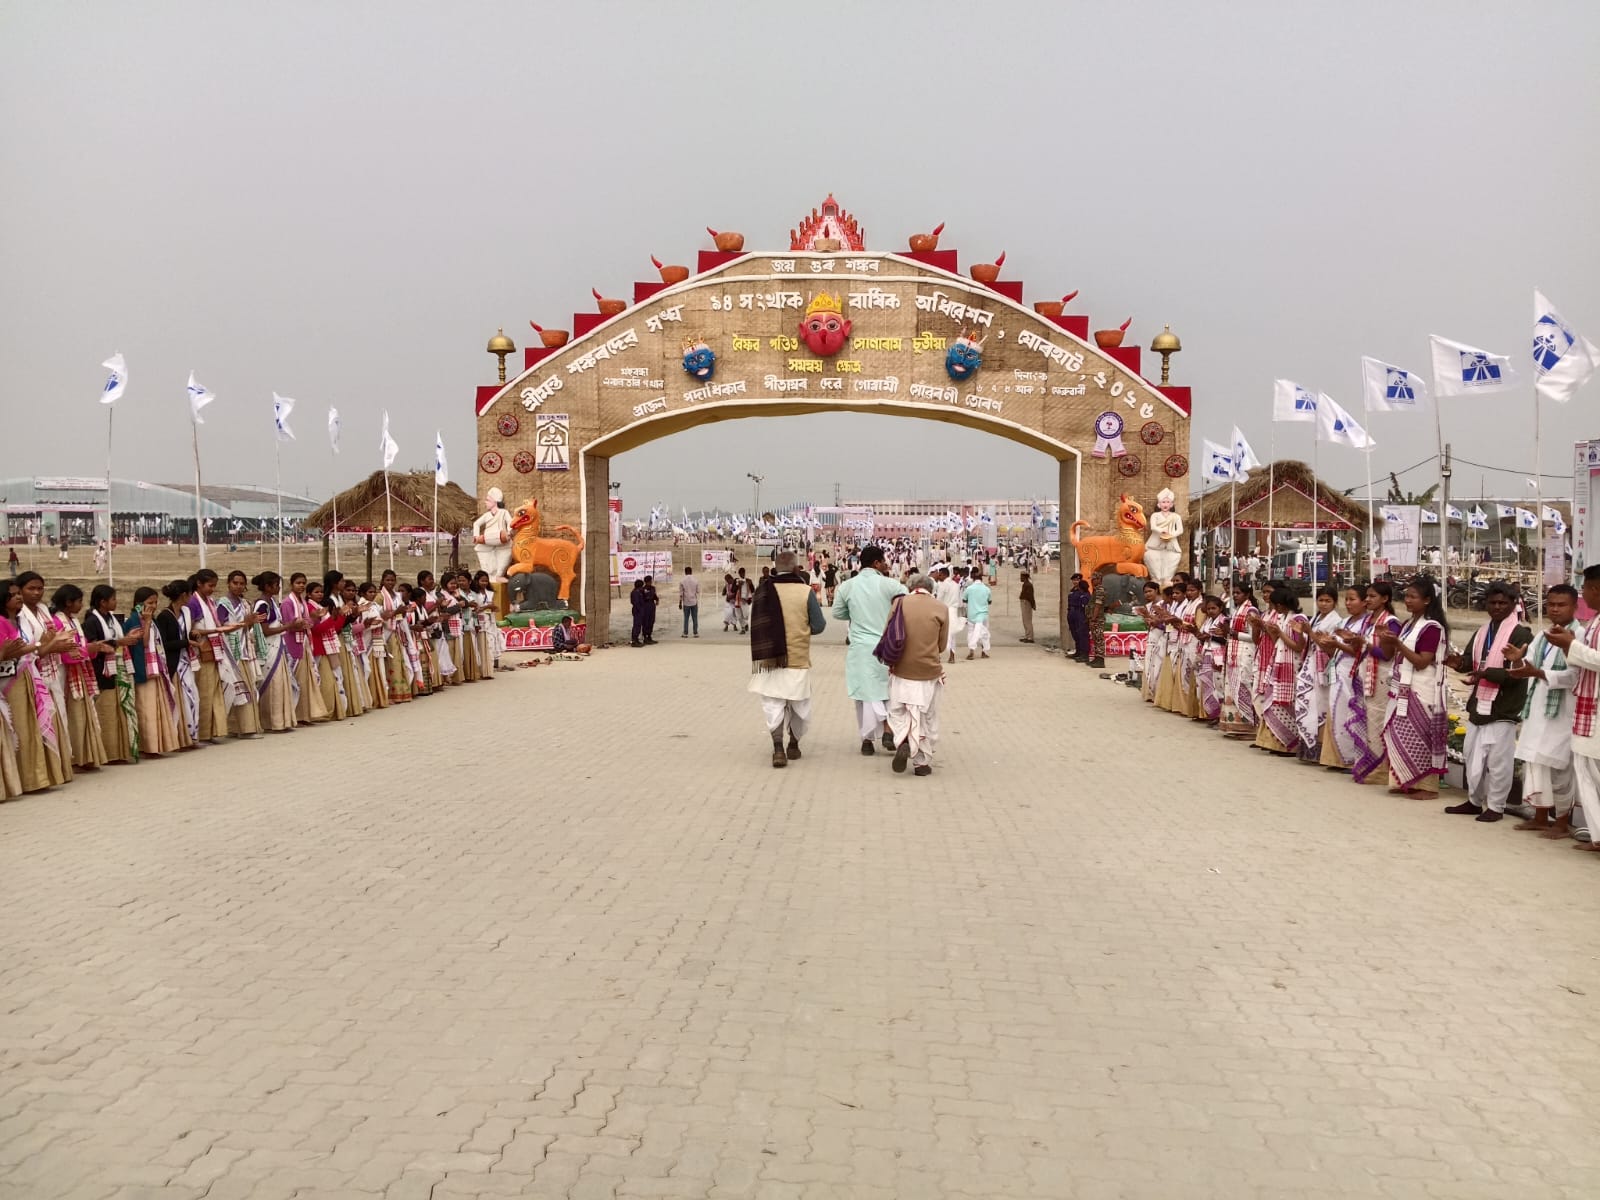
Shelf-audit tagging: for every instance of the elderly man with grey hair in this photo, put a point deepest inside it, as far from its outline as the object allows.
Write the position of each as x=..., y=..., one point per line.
x=916, y=681
x=784, y=616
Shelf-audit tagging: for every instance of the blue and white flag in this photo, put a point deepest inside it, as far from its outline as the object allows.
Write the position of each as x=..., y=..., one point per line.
x=1453, y=513
x=1291, y=402
x=1502, y=511
x=199, y=397
x=1551, y=516
x=1477, y=519
x=1461, y=370
x=1388, y=388
x=1526, y=519
x=282, y=406
x=387, y=446
x=116, y=382
x=1391, y=513
x=1562, y=359
x=1218, y=463
x=1337, y=426
x=1511, y=546
x=1244, y=458
x=441, y=469
x=1429, y=517
x=333, y=428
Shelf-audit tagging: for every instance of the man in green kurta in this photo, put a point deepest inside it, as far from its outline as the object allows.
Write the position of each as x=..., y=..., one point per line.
x=864, y=602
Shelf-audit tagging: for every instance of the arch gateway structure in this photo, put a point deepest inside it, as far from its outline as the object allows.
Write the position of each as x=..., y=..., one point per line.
x=830, y=329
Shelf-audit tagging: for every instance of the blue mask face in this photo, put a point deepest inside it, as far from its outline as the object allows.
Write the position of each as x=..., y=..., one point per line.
x=962, y=360
x=700, y=362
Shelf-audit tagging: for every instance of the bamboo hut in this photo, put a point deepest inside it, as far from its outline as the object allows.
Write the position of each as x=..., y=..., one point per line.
x=1288, y=498
x=365, y=509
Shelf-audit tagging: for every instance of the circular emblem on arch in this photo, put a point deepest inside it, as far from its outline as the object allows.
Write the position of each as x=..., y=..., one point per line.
x=523, y=461
x=1129, y=465
x=490, y=462
x=1176, y=466
x=1108, y=425
x=508, y=425
x=1151, y=433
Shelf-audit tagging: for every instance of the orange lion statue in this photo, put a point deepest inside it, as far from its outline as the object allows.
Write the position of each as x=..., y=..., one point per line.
x=530, y=552
x=1121, y=553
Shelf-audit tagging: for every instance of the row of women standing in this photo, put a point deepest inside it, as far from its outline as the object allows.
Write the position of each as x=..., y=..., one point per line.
x=82, y=686
x=1362, y=690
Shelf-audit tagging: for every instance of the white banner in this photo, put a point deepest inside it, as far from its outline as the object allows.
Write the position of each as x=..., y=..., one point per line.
x=636, y=564
x=715, y=560
x=1555, y=558
x=1401, y=533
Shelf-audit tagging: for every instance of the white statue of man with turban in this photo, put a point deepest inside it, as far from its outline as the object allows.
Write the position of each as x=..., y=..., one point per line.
x=1162, y=550
x=491, y=536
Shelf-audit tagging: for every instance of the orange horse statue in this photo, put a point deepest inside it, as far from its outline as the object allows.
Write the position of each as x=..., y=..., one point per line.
x=530, y=552
x=1121, y=553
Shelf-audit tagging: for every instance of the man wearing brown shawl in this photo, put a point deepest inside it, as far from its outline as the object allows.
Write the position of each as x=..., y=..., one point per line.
x=784, y=615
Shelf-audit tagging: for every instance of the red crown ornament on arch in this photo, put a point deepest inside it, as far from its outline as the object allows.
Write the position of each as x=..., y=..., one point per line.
x=832, y=227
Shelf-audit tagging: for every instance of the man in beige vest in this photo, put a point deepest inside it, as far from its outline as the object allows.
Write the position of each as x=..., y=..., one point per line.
x=784, y=614
x=917, y=680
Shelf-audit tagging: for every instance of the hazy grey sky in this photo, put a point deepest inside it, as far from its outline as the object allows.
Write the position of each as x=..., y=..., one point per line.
x=342, y=201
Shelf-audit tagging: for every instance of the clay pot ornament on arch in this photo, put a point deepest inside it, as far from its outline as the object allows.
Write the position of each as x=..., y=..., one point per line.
x=1053, y=308
x=728, y=243
x=987, y=273
x=926, y=243
x=1108, y=339
x=672, y=274
x=608, y=308
x=551, y=338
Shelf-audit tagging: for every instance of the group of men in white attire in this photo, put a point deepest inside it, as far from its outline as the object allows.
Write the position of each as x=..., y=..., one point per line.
x=1559, y=742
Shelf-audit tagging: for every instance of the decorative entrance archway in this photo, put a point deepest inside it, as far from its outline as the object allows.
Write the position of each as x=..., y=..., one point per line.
x=835, y=329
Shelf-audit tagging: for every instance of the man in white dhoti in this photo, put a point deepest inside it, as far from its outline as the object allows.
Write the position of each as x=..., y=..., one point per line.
x=948, y=593
x=916, y=680
x=1544, y=742
x=1581, y=646
x=785, y=614
x=864, y=601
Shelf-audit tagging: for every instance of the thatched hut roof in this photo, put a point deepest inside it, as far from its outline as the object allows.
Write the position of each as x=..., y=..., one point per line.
x=362, y=508
x=1292, y=487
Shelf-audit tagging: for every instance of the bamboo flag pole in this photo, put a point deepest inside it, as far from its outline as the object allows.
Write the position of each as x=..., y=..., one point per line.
x=111, y=533
x=199, y=518
x=277, y=471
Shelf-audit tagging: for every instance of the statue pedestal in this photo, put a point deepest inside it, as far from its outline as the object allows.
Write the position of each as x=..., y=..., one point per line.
x=502, y=599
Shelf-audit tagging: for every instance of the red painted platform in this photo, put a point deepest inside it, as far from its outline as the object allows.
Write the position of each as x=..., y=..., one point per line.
x=1011, y=289
x=643, y=291
x=1128, y=356
x=1179, y=396
x=583, y=323
x=533, y=354
x=710, y=260
x=943, y=260
x=486, y=392
x=1078, y=327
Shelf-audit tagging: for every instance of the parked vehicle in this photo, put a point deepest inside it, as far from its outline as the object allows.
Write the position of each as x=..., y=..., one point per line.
x=1303, y=568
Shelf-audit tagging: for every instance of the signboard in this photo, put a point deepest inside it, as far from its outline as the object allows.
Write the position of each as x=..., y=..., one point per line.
x=636, y=564
x=1401, y=533
x=553, y=437
x=1555, y=558
x=68, y=483
x=715, y=560
x=1585, y=474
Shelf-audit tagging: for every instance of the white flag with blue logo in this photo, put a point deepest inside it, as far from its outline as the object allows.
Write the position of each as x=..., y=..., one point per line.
x=116, y=382
x=333, y=428
x=1388, y=388
x=1511, y=546
x=1551, y=516
x=441, y=469
x=1429, y=517
x=1477, y=519
x=1526, y=519
x=282, y=406
x=1461, y=370
x=391, y=450
x=1562, y=359
x=1391, y=513
x=1244, y=458
x=199, y=397
x=1453, y=513
x=1218, y=463
x=1336, y=425
x=1291, y=402
x=1503, y=511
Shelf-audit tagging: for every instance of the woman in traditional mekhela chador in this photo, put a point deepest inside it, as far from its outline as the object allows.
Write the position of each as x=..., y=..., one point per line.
x=1415, y=728
x=443, y=666
x=219, y=683
x=177, y=638
x=424, y=628
x=1189, y=649
x=309, y=708
x=1370, y=694
x=1311, y=687
x=39, y=763
x=1281, y=641
x=1213, y=649
x=276, y=687
x=247, y=646
x=370, y=623
x=1171, y=665
x=454, y=606
x=1338, y=750
x=398, y=659
x=33, y=619
x=161, y=729
x=113, y=671
x=78, y=679
x=1155, y=640
x=326, y=621
x=353, y=650
x=488, y=632
x=1238, y=717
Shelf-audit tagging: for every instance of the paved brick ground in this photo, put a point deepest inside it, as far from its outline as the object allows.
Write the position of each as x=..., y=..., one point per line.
x=444, y=953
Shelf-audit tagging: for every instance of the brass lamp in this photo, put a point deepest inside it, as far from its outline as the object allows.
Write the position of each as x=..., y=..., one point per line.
x=1166, y=344
x=500, y=346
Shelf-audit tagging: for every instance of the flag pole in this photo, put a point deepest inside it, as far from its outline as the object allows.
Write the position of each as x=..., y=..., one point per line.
x=277, y=473
x=1538, y=508
x=111, y=533
x=1316, y=501
x=199, y=519
x=435, y=532
x=1372, y=552
x=1272, y=463
x=388, y=516
x=336, y=527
